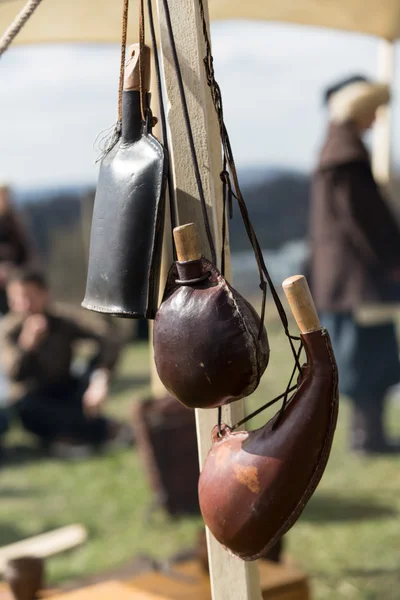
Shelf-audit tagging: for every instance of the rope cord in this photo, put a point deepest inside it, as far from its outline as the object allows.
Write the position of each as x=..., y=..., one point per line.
x=20, y=20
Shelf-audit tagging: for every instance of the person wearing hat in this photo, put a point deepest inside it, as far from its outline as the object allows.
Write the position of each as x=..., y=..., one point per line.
x=355, y=261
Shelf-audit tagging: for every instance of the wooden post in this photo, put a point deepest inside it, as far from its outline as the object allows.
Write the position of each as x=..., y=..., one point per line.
x=157, y=388
x=381, y=147
x=230, y=577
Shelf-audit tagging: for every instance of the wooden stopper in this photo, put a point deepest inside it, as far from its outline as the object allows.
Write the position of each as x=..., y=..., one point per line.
x=132, y=69
x=301, y=303
x=187, y=245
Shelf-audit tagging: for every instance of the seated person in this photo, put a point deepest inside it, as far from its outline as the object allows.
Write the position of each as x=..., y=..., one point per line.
x=37, y=351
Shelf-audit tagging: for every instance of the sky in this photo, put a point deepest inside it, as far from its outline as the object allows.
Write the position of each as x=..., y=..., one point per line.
x=55, y=100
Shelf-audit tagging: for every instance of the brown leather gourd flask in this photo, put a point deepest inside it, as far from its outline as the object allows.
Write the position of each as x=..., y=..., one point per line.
x=210, y=347
x=255, y=484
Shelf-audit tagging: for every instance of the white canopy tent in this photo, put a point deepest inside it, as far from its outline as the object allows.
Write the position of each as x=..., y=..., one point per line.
x=62, y=21
x=92, y=21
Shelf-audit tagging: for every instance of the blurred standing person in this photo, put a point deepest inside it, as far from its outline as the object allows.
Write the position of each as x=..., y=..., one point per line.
x=355, y=261
x=15, y=249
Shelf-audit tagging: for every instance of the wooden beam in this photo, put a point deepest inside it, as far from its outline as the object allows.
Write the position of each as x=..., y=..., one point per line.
x=382, y=139
x=230, y=577
x=157, y=388
x=116, y=590
x=45, y=544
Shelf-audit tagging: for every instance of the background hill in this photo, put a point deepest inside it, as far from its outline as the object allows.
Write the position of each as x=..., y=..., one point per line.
x=59, y=223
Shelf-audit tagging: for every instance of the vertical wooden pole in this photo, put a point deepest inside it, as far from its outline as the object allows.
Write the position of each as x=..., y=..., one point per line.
x=382, y=140
x=157, y=388
x=231, y=578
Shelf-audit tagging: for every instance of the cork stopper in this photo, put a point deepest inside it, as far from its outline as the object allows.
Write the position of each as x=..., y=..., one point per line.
x=186, y=242
x=132, y=69
x=301, y=303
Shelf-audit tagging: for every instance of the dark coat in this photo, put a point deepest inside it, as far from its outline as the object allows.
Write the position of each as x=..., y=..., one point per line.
x=14, y=243
x=50, y=362
x=354, y=238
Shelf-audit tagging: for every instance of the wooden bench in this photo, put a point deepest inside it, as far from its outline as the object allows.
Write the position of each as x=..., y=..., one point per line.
x=187, y=581
x=5, y=593
x=278, y=582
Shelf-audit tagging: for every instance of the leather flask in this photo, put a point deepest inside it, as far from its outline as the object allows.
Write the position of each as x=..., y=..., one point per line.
x=254, y=485
x=210, y=347
x=129, y=208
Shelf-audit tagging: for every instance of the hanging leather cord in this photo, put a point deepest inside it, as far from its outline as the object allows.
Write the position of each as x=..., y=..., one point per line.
x=11, y=32
x=174, y=220
x=189, y=132
x=285, y=397
x=235, y=191
x=125, y=10
x=141, y=61
x=226, y=177
x=262, y=408
x=107, y=138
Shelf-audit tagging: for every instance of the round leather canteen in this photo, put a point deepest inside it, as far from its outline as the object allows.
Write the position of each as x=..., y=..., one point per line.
x=207, y=344
x=254, y=485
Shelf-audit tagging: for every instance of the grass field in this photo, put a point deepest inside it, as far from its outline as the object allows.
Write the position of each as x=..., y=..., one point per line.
x=348, y=539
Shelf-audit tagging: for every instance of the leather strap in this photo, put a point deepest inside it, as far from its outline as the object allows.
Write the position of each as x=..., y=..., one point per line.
x=170, y=185
x=125, y=10
x=141, y=61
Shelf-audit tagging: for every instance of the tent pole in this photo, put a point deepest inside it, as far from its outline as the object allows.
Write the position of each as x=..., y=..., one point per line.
x=230, y=577
x=381, y=145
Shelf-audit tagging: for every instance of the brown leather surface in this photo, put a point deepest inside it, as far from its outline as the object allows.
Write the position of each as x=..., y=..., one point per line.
x=172, y=468
x=188, y=581
x=206, y=345
x=254, y=485
x=25, y=576
x=128, y=221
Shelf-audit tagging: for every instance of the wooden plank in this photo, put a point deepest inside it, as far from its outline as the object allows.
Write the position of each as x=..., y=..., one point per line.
x=5, y=593
x=230, y=577
x=188, y=580
x=283, y=582
x=157, y=388
x=110, y=590
x=382, y=139
x=46, y=544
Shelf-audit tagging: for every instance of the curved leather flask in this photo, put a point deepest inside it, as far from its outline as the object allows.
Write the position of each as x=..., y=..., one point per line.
x=128, y=218
x=254, y=485
x=207, y=347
